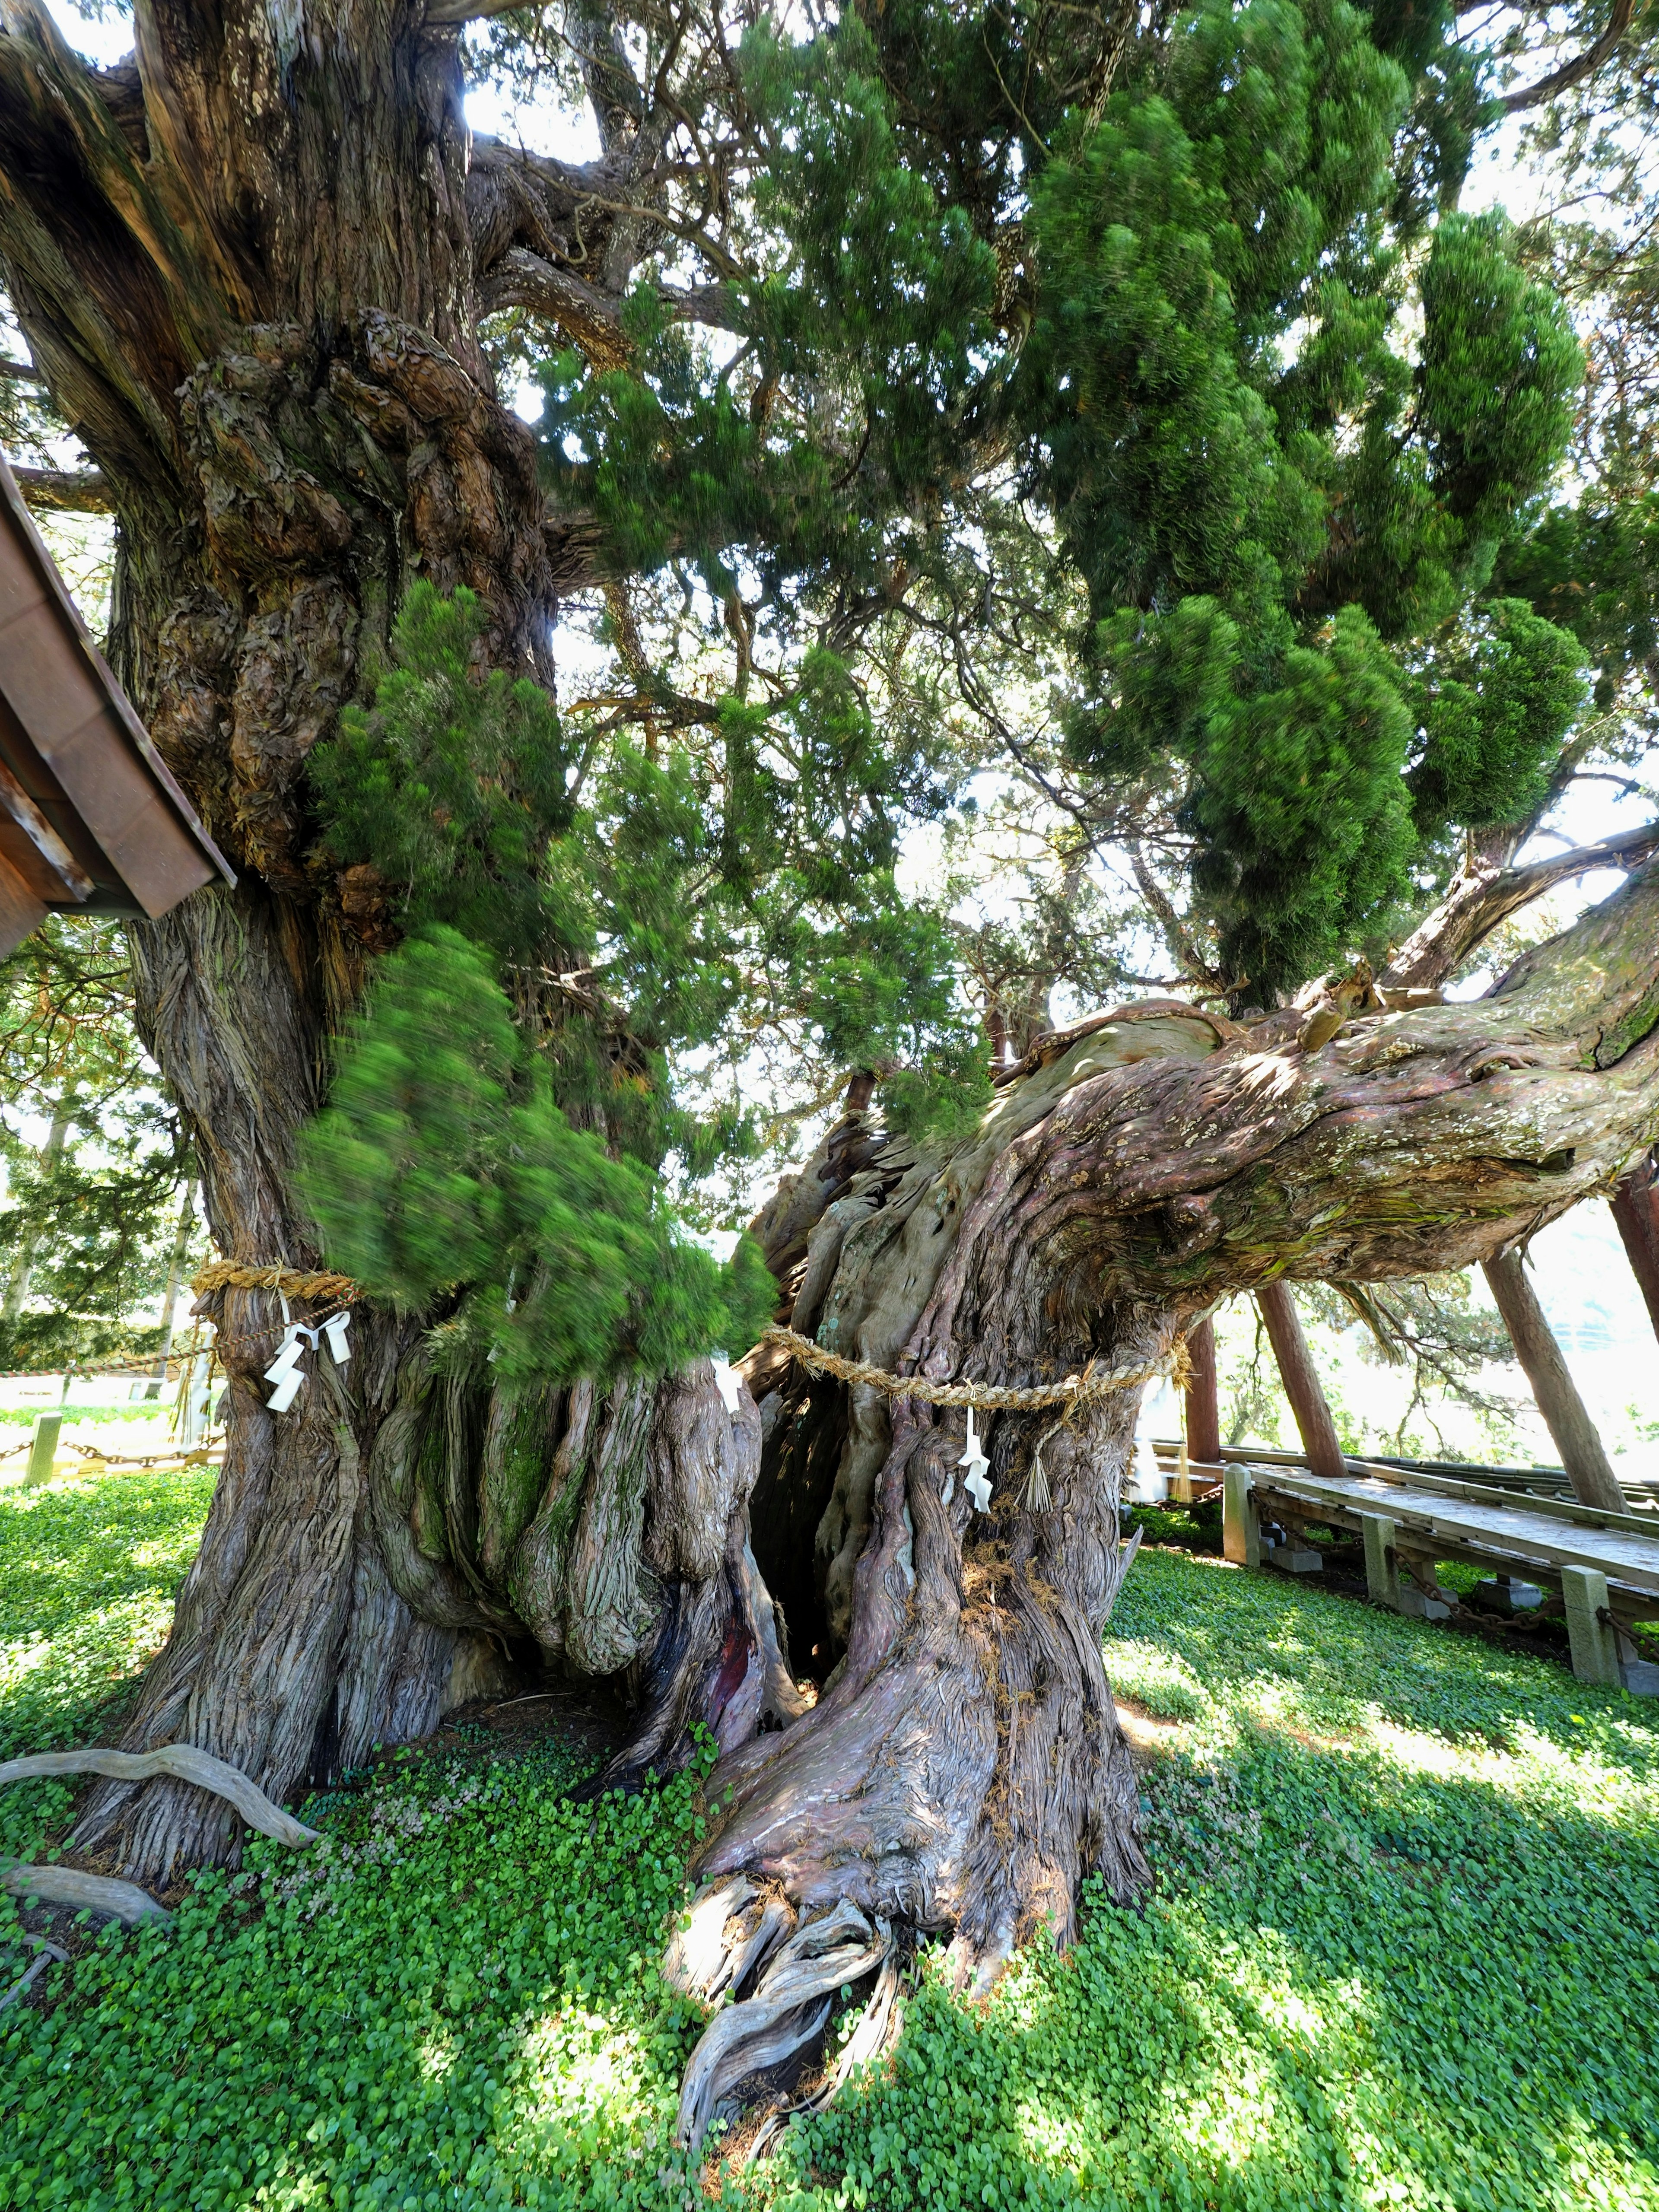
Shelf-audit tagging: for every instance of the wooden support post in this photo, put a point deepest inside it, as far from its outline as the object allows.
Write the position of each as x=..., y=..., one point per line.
x=1593, y=1640
x=43, y=1449
x=1382, y=1567
x=1635, y=1210
x=1241, y=1531
x=1565, y=1416
x=1301, y=1381
x=1203, y=1399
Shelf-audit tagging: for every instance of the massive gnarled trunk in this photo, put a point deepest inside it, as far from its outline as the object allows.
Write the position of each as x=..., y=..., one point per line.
x=252, y=265
x=963, y=1768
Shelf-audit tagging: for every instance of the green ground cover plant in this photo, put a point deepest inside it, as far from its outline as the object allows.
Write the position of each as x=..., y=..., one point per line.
x=140, y=1409
x=1401, y=1953
x=89, y=1566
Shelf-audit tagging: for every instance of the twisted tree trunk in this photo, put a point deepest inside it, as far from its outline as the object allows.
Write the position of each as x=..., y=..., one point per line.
x=251, y=265
x=962, y=1769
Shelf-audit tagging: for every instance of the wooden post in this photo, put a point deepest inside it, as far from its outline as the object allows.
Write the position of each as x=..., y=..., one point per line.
x=1565, y=1416
x=1241, y=1530
x=1301, y=1381
x=1203, y=1401
x=1590, y=1634
x=43, y=1449
x=1636, y=1209
x=1382, y=1567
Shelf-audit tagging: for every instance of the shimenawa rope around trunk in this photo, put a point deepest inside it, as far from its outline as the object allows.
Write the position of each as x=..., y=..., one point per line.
x=1074, y=1391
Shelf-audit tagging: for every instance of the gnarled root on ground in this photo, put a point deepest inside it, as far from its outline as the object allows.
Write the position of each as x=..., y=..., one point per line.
x=737, y=1931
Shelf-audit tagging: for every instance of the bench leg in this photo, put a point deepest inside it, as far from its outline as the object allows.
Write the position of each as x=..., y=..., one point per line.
x=1382, y=1567
x=1594, y=1645
x=1241, y=1531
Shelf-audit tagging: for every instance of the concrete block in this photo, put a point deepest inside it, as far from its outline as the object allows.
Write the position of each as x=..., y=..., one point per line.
x=1292, y=1560
x=1382, y=1567
x=1241, y=1531
x=1590, y=1634
x=1416, y=1606
x=43, y=1448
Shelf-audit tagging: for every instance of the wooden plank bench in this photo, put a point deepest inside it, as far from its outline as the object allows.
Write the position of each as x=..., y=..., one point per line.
x=1606, y=1566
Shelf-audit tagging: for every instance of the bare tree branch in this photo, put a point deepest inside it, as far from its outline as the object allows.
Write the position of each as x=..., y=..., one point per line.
x=67, y=491
x=1575, y=72
x=1482, y=896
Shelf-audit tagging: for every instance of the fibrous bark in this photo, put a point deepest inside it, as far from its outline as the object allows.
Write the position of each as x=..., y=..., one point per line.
x=962, y=1768
x=250, y=265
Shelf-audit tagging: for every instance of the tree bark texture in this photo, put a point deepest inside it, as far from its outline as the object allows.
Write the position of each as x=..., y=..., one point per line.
x=1636, y=1211
x=1565, y=1415
x=251, y=265
x=962, y=1768
x=1300, y=1376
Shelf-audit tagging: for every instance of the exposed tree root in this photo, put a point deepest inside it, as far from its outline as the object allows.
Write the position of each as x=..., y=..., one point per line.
x=26, y=1980
x=792, y=1998
x=183, y=1762
x=54, y=1885
x=879, y=2029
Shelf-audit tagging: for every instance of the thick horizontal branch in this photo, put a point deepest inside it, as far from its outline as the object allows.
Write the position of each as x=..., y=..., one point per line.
x=66, y=491
x=474, y=11
x=1481, y=897
x=587, y=318
x=1411, y=1142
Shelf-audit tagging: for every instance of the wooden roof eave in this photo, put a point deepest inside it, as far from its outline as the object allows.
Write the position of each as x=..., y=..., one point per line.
x=92, y=819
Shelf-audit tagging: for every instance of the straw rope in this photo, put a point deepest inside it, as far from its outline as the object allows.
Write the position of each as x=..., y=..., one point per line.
x=314, y=1285
x=1075, y=1391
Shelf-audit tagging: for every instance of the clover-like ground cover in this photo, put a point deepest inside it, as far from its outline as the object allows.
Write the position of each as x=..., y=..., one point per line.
x=1404, y=1949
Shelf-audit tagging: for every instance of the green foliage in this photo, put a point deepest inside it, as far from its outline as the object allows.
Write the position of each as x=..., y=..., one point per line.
x=1183, y=240
x=442, y=1161
x=453, y=784
x=1493, y=722
x=90, y=1214
x=1282, y=406
x=1397, y=1952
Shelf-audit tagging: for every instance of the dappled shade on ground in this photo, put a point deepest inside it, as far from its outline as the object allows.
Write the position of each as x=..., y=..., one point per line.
x=1400, y=1950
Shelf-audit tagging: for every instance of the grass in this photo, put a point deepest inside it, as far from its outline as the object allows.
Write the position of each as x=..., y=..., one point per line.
x=1403, y=1950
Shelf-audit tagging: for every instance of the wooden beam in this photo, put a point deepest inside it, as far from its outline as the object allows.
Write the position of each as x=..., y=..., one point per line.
x=1635, y=1210
x=1203, y=1399
x=1565, y=1414
x=1301, y=1380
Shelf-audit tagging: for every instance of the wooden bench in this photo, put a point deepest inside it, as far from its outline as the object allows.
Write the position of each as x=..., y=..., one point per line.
x=1606, y=1566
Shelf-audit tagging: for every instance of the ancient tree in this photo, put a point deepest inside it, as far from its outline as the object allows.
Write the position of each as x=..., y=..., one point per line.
x=885, y=373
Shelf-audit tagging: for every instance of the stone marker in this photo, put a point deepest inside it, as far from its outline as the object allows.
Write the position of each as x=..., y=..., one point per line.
x=1595, y=1645
x=1241, y=1532
x=1382, y=1567
x=43, y=1449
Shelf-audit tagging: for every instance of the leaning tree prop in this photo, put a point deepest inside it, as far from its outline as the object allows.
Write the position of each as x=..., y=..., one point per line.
x=257, y=265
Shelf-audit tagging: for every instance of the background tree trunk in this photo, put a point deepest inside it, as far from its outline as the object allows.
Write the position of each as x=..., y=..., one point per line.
x=1301, y=1379
x=1565, y=1414
x=1636, y=1212
x=1203, y=1396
